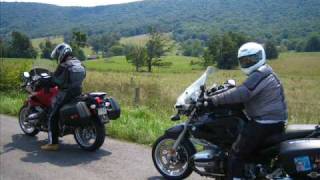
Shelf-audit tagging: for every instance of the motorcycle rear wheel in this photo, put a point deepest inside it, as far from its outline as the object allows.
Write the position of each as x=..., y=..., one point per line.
x=91, y=137
x=180, y=166
x=26, y=127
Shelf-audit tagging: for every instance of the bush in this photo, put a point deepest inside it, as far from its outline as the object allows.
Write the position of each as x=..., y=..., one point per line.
x=11, y=72
x=78, y=53
x=20, y=47
x=46, y=49
x=192, y=48
x=271, y=50
x=313, y=44
x=116, y=50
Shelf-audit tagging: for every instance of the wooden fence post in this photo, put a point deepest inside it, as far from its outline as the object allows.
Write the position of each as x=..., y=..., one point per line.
x=131, y=82
x=136, y=99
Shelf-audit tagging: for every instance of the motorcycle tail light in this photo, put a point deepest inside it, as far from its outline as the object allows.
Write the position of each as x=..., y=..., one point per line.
x=99, y=100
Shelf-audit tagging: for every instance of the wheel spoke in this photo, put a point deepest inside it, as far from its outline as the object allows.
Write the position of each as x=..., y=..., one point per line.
x=168, y=161
x=26, y=126
x=86, y=136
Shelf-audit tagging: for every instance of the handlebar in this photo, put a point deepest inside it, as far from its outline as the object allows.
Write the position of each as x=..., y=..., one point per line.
x=36, y=81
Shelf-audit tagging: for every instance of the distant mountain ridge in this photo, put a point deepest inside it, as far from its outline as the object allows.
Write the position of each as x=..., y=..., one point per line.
x=282, y=19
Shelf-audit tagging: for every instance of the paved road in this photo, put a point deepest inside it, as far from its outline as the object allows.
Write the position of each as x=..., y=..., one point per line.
x=21, y=158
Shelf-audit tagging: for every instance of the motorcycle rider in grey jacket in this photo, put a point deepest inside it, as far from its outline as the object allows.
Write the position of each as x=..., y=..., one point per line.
x=68, y=76
x=263, y=97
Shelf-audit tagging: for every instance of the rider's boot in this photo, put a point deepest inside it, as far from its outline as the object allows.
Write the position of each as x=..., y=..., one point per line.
x=50, y=147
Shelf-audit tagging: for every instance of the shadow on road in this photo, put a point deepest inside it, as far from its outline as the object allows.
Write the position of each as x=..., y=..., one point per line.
x=68, y=155
x=156, y=178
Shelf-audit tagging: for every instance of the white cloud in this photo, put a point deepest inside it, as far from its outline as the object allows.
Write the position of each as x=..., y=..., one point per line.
x=75, y=2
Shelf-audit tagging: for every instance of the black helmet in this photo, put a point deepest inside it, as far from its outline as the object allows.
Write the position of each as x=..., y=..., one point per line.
x=61, y=51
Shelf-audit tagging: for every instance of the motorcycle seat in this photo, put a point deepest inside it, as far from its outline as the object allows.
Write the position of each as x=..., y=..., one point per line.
x=292, y=132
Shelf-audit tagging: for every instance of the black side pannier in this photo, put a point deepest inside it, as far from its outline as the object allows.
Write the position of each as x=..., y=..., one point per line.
x=301, y=158
x=114, y=109
x=75, y=114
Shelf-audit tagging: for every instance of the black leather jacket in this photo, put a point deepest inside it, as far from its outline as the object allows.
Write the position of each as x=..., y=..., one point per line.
x=70, y=75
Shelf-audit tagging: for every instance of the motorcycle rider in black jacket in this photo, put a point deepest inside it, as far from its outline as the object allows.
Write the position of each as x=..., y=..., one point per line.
x=68, y=76
x=264, y=100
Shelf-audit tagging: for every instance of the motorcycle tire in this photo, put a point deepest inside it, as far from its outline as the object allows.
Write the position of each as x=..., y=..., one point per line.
x=100, y=133
x=186, y=145
x=23, y=113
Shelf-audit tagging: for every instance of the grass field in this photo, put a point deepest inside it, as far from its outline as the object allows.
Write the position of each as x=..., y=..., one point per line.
x=180, y=64
x=141, y=40
x=54, y=39
x=142, y=123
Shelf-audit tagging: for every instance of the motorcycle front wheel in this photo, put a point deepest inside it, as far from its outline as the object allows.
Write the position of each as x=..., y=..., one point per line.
x=90, y=137
x=27, y=127
x=173, y=164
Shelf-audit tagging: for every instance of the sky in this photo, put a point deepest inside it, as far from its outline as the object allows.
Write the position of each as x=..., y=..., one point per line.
x=88, y=3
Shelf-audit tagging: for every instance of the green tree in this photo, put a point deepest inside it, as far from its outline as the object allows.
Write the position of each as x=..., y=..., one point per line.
x=213, y=52
x=78, y=41
x=228, y=57
x=192, y=48
x=155, y=47
x=46, y=49
x=20, y=46
x=136, y=55
x=116, y=50
x=104, y=43
x=78, y=52
x=300, y=47
x=3, y=48
x=222, y=50
x=206, y=58
x=313, y=44
x=271, y=50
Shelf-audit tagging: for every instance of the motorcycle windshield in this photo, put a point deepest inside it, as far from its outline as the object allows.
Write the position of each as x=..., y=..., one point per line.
x=44, y=64
x=192, y=93
x=42, y=67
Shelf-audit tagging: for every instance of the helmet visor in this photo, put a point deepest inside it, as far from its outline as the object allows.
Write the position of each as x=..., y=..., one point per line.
x=248, y=61
x=57, y=51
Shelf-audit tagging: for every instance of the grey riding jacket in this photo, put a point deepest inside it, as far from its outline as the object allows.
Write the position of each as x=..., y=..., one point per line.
x=262, y=95
x=70, y=75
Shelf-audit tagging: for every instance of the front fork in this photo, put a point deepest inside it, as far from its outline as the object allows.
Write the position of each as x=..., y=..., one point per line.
x=184, y=131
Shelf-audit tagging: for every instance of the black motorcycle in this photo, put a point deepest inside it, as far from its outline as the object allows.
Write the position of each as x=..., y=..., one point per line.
x=84, y=117
x=202, y=143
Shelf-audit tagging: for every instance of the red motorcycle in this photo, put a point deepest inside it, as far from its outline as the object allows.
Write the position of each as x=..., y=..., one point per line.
x=84, y=117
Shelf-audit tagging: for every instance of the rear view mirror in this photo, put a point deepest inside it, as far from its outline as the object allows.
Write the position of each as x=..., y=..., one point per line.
x=26, y=75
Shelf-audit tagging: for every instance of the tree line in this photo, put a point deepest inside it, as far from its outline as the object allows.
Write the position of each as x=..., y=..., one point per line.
x=187, y=19
x=19, y=46
x=220, y=49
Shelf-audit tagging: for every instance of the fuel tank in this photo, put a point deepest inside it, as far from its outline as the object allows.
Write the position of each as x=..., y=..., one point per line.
x=43, y=97
x=217, y=130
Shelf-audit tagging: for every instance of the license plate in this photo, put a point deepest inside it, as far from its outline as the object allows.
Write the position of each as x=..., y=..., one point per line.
x=302, y=163
x=102, y=111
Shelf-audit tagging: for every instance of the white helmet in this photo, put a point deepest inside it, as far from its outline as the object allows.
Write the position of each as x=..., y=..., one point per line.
x=61, y=51
x=251, y=56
